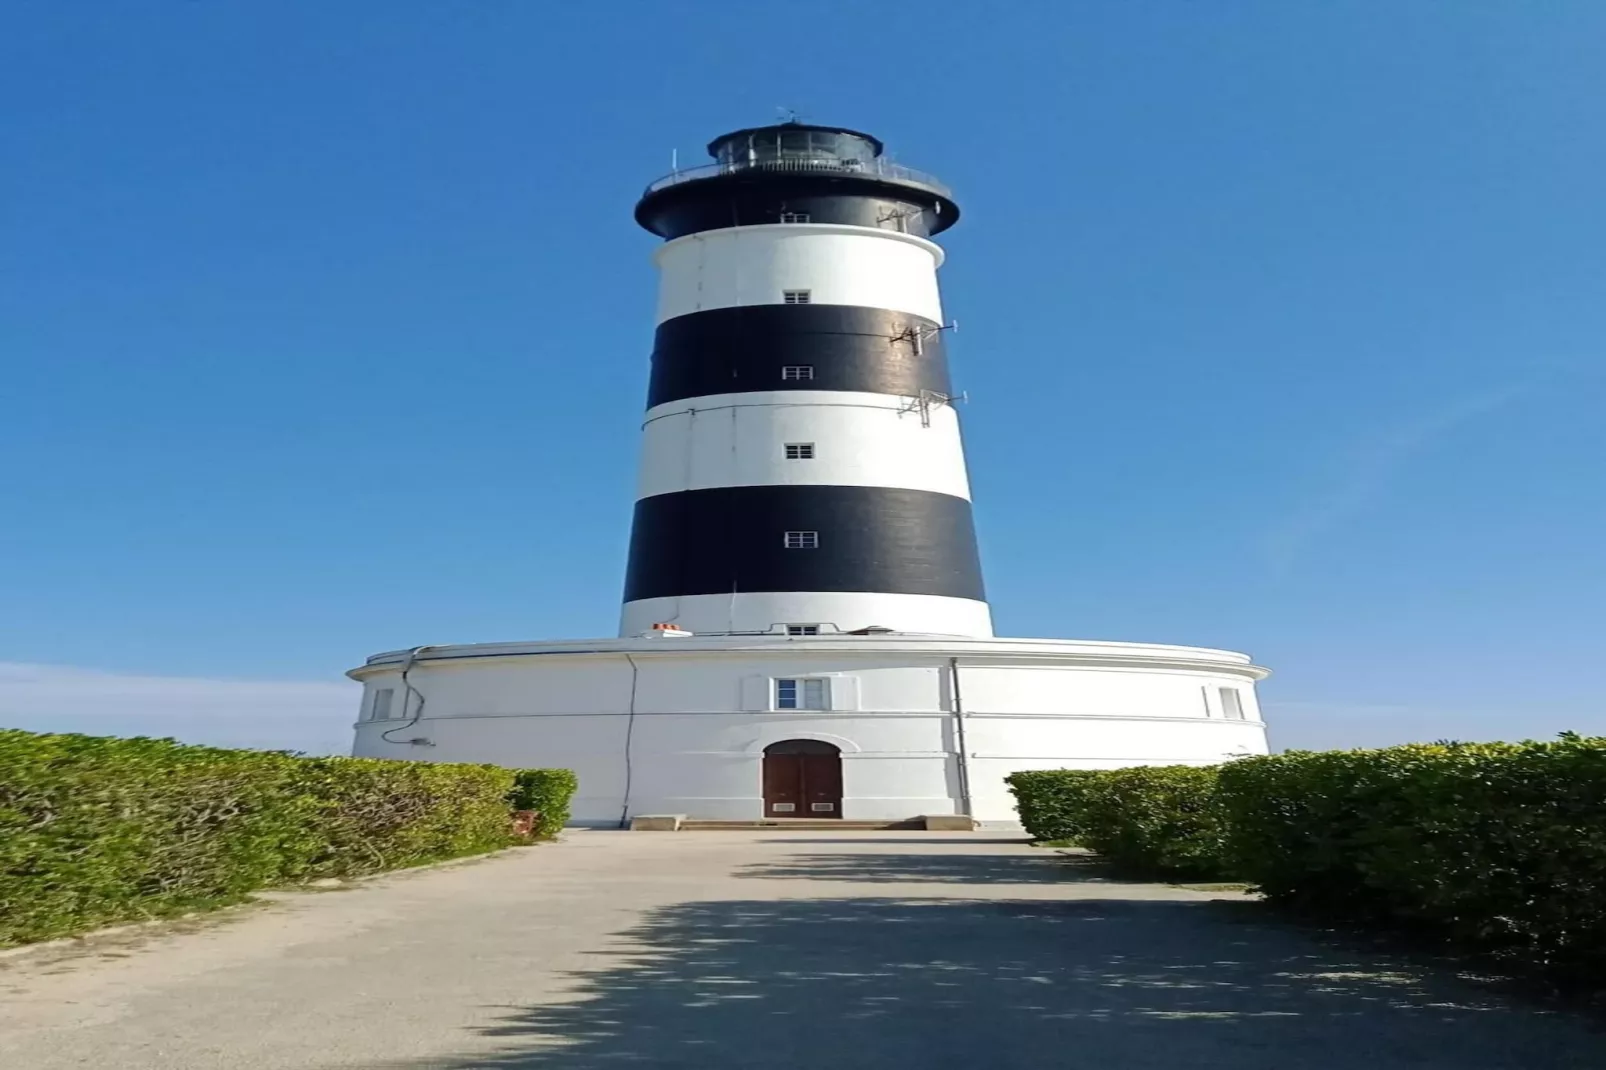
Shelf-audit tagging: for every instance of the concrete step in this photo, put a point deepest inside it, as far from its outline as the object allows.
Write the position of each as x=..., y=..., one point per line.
x=812, y=824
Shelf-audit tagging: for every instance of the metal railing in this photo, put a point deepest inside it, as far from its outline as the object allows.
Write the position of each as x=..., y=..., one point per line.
x=845, y=167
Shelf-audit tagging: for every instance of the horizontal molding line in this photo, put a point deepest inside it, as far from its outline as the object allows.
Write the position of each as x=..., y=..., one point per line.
x=846, y=755
x=826, y=715
x=851, y=230
x=908, y=409
x=1146, y=760
x=1242, y=671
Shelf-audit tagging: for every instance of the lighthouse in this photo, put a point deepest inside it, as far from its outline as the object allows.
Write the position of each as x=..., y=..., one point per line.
x=801, y=464
x=805, y=635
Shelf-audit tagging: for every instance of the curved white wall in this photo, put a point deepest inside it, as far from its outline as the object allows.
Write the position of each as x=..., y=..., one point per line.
x=703, y=714
x=762, y=611
x=839, y=265
x=861, y=440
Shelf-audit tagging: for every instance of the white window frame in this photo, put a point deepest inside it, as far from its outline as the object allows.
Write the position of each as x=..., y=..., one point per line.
x=802, y=693
x=379, y=705
x=799, y=451
x=796, y=372
x=800, y=540
x=802, y=629
x=797, y=297
x=794, y=217
x=1232, y=704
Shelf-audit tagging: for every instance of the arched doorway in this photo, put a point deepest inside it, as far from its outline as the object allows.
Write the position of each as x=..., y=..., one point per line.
x=802, y=778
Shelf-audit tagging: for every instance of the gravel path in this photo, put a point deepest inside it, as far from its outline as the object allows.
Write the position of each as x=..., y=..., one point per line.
x=757, y=950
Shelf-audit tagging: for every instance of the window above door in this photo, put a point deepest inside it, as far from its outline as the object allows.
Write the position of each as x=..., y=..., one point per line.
x=803, y=693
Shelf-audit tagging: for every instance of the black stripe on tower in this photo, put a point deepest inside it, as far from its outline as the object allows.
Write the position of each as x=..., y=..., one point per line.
x=887, y=540
x=759, y=197
x=843, y=347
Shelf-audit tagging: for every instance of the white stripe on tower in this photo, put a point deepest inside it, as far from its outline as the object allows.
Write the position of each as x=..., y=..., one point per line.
x=838, y=265
x=831, y=438
x=800, y=464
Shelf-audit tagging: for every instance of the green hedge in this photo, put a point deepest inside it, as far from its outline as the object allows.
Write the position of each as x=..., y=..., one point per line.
x=1499, y=847
x=548, y=792
x=1148, y=820
x=1053, y=802
x=95, y=831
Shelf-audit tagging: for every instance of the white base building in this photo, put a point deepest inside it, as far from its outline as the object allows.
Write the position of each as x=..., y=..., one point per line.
x=805, y=628
x=915, y=724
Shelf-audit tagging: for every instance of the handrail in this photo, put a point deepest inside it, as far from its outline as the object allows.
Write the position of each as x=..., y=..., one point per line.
x=846, y=167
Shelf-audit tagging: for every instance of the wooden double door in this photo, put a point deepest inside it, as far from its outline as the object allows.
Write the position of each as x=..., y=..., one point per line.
x=802, y=778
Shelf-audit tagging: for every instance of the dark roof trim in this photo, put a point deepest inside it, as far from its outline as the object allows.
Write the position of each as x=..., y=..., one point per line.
x=871, y=138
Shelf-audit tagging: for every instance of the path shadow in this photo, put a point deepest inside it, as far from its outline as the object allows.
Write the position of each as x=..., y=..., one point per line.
x=957, y=984
x=928, y=840
x=937, y=867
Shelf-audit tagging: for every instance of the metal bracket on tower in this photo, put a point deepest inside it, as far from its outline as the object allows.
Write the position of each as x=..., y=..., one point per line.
x=926, y=401
x=898, y=216
x=916, y=335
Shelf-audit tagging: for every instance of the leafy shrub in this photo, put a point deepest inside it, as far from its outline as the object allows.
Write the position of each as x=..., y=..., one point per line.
x=96, y=830
x=1154, y=820
x=546, y=791
x=1500, y=846
x=374, y=814
x=1052, y=801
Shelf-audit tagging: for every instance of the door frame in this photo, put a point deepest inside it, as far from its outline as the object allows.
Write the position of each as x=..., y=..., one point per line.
x=803, y=757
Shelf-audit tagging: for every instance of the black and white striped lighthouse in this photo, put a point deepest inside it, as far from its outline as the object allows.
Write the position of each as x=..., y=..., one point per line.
x=802, y=470
x=802, y=478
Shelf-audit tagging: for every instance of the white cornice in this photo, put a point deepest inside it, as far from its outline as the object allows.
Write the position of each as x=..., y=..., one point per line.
x=1092, y=654
x=936, y=251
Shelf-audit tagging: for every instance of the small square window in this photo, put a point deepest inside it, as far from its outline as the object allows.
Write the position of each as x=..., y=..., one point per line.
x=800, y=451
x=794, y=217
x=802, y=540
x=380, y=711
x=796, y=297
x=797, y=371
x=802, y=629
x=812, y=694
x=1232, y=703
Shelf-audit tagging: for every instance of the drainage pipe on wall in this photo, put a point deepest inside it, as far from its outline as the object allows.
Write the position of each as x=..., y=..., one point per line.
x=630, y=735
x=959, y=740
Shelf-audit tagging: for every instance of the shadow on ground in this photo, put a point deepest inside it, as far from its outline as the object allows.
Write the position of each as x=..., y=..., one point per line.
x=933, y=984
x=925, y=840
x=1043, y=866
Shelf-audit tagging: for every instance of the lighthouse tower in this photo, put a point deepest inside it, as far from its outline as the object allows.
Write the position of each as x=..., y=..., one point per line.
x=804, y=635
x=801, y=467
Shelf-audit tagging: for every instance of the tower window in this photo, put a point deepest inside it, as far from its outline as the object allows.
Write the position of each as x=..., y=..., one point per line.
x=802, y=629
x=794, y=217
x=796, y=297
x=380, y=711
x=802, y=540
x=800, y=451
x=1232, y=703
x=803, y=694
x=797, y=371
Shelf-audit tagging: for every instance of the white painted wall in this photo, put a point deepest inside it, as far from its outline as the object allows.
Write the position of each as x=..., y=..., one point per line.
x=860, y=440
x=698, y=735
x=840, y=265
x=762, y=611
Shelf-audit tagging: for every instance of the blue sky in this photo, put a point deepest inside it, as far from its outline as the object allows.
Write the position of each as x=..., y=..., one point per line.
x=324, y=331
